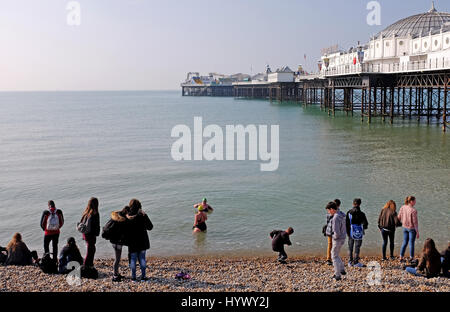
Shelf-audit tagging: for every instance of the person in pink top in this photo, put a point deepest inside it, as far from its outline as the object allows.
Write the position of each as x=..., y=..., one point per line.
x=408, y=218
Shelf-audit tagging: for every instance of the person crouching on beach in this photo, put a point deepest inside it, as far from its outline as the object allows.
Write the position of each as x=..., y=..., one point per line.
x=51, y=222
x=200, y=220
x=339, y=233
x=69, y=253
x=279, y=239
x=137, y=237
x=327, y=231
x=115, y=231
x=206, y=207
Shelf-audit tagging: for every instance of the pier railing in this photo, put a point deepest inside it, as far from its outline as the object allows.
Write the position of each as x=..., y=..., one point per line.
x=436, y=64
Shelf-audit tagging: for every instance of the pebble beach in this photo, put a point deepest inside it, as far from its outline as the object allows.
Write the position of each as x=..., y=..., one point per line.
x=227, y=274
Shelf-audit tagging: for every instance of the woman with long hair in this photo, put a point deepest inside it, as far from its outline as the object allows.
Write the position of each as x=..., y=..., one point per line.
x=137, y=237
x=18, y=252
x=430, y=262
x=387, y=222
x=408, y=218
x=91, y=220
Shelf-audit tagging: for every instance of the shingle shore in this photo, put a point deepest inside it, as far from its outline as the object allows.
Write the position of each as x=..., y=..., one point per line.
x=300, y=274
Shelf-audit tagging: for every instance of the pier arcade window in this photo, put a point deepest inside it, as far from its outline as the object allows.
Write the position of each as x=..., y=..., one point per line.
x=400, y=43
x=447, y=41
x=425, y=45
x=436, y=43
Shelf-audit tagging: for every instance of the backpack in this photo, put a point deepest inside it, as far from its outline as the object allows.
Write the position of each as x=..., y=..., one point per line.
x=89, y=272
x=48, y=264
x=82, y=226
x=52, y=222
x=356, y=230
x=108, y=231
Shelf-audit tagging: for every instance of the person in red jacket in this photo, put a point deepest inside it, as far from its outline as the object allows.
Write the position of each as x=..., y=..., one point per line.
x=51, y=222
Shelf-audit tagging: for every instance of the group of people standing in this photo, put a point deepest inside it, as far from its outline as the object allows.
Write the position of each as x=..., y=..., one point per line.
x=127, y=227
x=352, y=225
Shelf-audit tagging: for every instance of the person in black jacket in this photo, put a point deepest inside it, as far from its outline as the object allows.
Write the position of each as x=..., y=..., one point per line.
x=279, y=239
x=115, y=231
x=356, y=223
x=69, y=253
x=387, y=222
x=137, y=237
x=91, y=219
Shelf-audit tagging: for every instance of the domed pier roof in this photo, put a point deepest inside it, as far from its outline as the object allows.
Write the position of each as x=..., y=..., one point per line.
x=419, y=24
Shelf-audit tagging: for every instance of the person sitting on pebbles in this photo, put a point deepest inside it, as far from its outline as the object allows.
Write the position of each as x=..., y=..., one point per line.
x=18, y=252
x=279, y=239
x=206, y=207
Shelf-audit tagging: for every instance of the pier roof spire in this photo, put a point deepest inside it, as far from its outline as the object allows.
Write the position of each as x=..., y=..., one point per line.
x=432, y=8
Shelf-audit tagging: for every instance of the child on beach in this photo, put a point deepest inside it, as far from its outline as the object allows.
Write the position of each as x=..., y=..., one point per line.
x=51, y=222
x=115, y=231
x=137, y=237
x=69, y=253
x=356, y=224
x=200, y=220
x=430, y=262
x=327, y=231
x=387, y=222
x=91, y=220
x=279, y=239
x=18, y=252
x=206, y=207
x=339, y=233
x=408, y=217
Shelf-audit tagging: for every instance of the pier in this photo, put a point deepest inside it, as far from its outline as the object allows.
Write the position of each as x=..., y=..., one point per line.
x=402, y=72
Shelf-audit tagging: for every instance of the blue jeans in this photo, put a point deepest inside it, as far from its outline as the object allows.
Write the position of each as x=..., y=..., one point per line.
x=413, y=271
x=409, y=235
x=134, y=257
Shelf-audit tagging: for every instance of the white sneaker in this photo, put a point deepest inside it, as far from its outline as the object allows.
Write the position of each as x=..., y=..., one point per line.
x=359, y=265
x=350, y=264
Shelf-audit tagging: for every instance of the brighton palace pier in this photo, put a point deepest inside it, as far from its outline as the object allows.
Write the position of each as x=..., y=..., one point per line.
x=402, y=72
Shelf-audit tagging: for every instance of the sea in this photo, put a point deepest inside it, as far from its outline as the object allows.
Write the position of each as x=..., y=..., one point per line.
x=117, y=145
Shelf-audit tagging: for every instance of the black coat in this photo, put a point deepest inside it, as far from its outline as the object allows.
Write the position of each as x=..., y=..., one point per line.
x=93, y=225
x=358, y=217
x=137, y=236
x=279, y=239
x=115, y=229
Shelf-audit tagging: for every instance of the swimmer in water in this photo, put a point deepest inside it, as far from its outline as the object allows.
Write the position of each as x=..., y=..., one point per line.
x=200, y=220
x=206, y=207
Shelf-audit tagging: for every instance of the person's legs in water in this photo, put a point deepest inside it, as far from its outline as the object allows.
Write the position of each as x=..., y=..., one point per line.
x=385, y=235
x=133, y=260
x=412, y=240
x=391, y=243
x=405, y=243
x=351, y=242
x=329, y=246
x=142, y=264
x=118, y=255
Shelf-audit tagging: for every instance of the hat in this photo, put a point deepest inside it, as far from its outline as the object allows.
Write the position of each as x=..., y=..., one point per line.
x=204, y=199
x=200, y=208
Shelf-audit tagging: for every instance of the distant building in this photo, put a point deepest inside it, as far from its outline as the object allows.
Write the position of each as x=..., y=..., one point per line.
x=418, y=42
x=283, y=74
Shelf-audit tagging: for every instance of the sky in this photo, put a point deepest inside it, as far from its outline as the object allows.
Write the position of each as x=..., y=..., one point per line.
x=151, y=45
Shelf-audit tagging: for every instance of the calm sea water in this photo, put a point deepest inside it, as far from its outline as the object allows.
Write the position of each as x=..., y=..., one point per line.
x=69, y=146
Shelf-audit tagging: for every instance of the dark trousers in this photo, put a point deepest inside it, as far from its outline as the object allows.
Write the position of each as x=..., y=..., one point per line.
x=90, y=253
x=54, y=239
x=281, y=253
x=388, y=235
x=357, y=243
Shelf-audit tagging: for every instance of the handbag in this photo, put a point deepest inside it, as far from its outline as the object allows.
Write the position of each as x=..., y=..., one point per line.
x=82, y=227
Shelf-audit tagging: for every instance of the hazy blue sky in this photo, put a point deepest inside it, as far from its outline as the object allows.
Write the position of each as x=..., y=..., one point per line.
x=145, y=44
